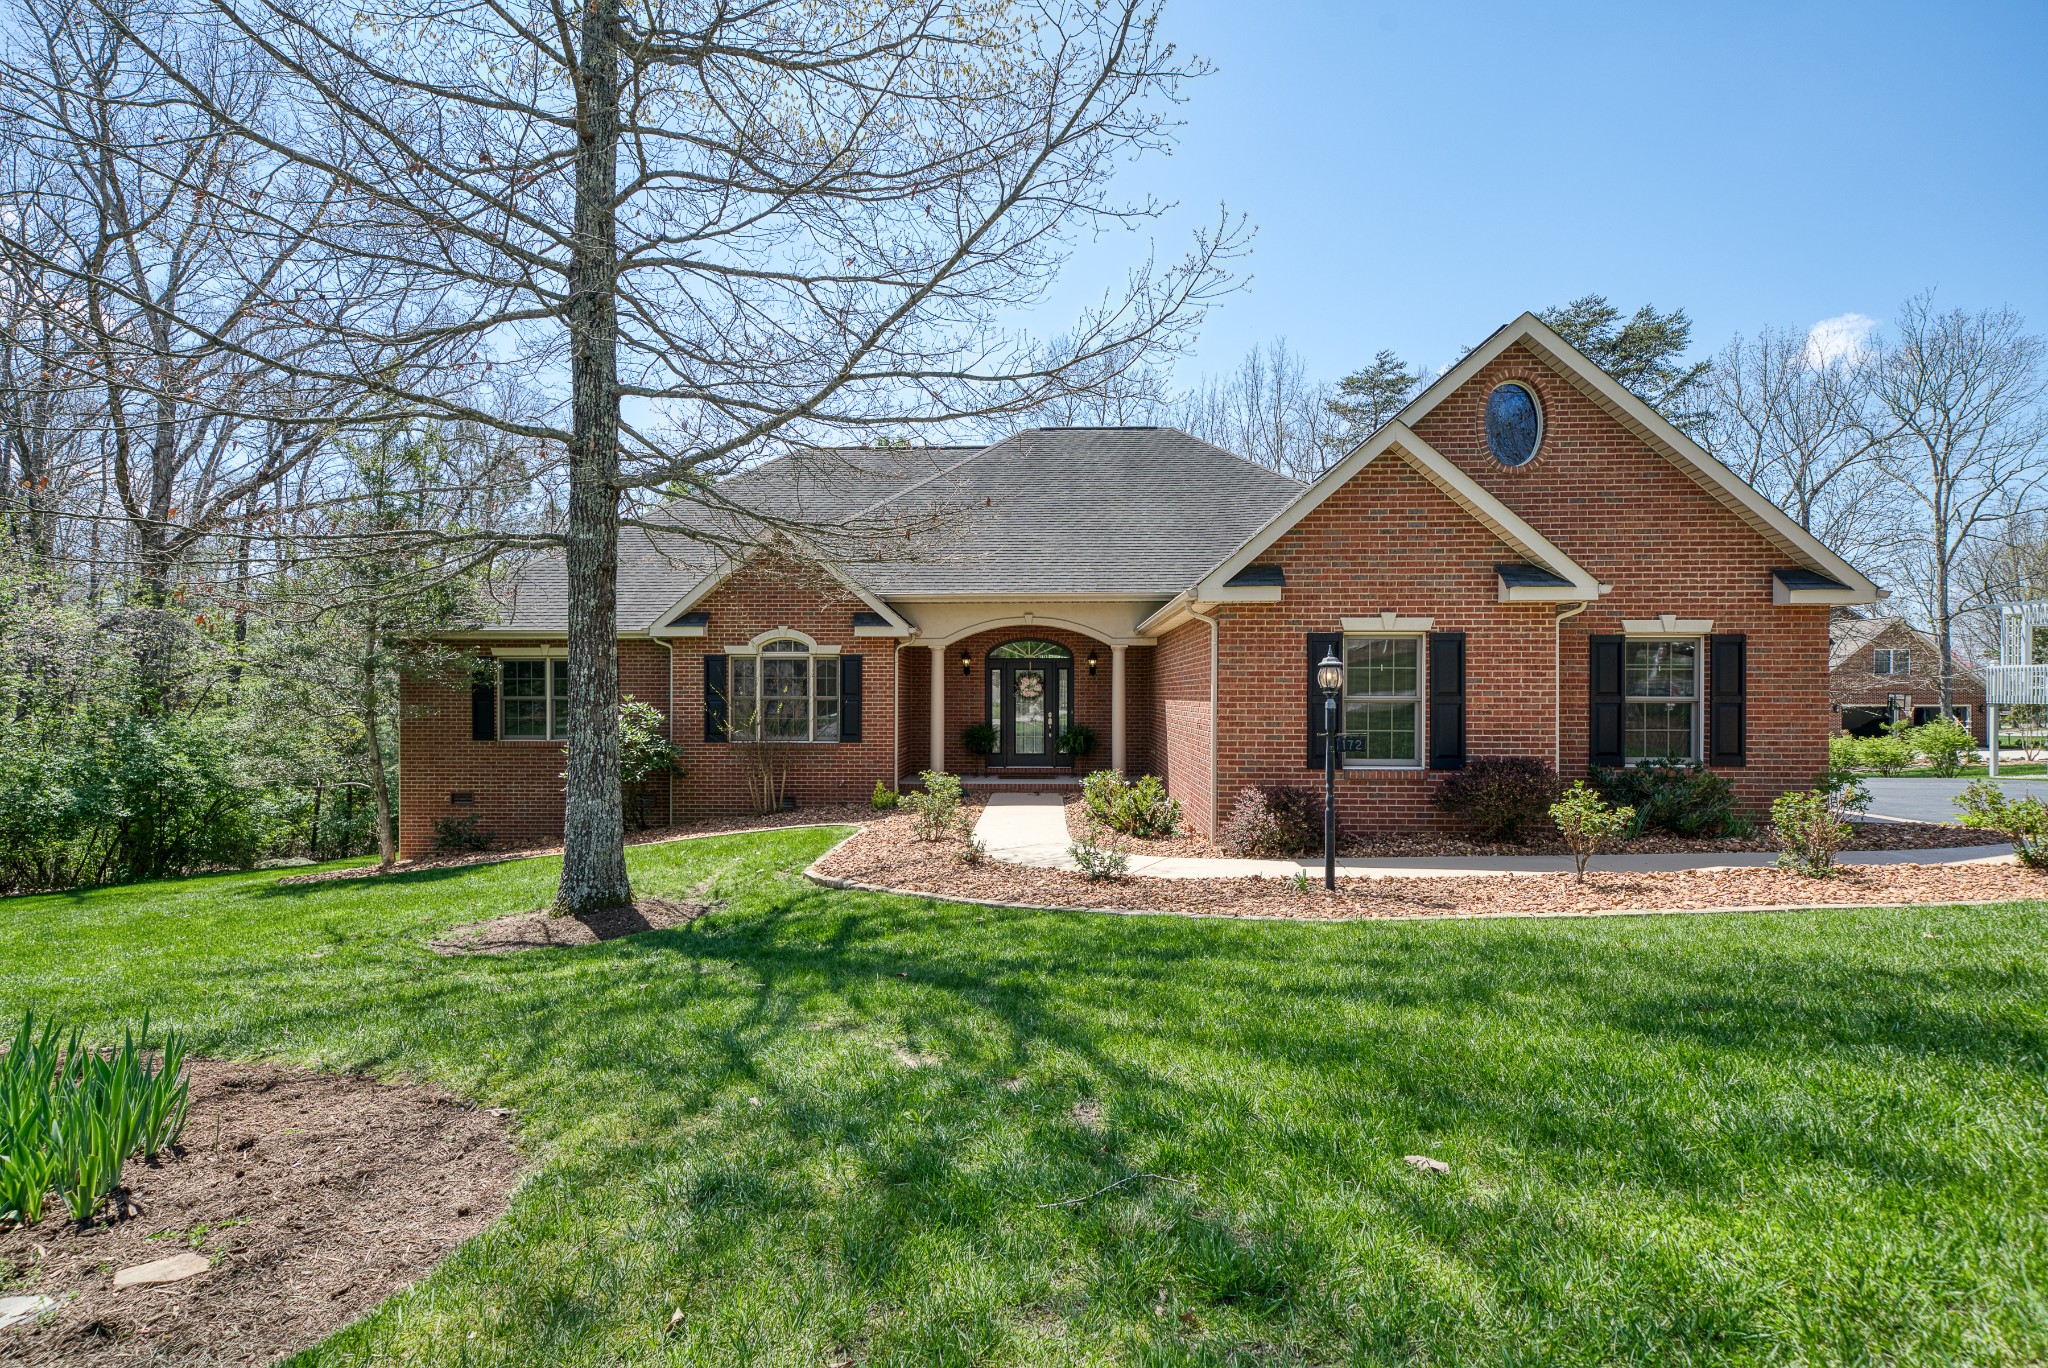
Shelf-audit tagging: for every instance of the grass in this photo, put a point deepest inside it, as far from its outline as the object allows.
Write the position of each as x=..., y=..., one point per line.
x=823, y=1126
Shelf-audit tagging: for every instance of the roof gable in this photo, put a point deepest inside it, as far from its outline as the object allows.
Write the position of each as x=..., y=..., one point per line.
x=1560, y=576
x=1655, y=432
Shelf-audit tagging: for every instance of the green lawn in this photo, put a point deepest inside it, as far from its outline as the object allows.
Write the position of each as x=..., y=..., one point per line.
x=1772, y=1138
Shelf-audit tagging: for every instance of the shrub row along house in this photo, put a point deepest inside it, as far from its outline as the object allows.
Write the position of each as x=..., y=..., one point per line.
x=1527, y=561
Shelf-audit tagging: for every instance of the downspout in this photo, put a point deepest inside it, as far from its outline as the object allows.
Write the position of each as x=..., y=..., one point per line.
x=671, y=648
x=1557, y=683
x=896, y=719
x=1215, y=693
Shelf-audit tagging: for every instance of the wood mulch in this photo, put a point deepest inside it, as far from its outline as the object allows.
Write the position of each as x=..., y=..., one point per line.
x=314, y=1197
x=887, y=855
x=1398, y=845
x=539, y=930
x=824, y=814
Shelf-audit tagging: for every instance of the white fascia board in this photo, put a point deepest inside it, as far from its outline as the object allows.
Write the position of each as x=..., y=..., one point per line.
x=1667, y=624
x=1168, y=615
x=1398, y=438
x=1678, y=448
x=885, y=630
x=1782, y=596
x=1254, y=593
x=1547, y=593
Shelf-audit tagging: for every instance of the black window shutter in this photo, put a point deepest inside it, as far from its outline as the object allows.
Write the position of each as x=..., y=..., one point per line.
x=483, y=702
x=1447, y=700
x=1728, y=691
x=849, y=698
x=1605, y=685
x=714, y=697
x=1320, y=644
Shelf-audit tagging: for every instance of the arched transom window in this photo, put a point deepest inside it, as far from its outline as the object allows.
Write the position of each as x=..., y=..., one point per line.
x=785, y=692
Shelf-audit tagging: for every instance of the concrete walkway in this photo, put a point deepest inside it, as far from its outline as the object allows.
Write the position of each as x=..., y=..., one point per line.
x=1031, y=829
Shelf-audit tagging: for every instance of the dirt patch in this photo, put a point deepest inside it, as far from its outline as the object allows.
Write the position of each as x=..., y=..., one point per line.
x=314, y=1197
x=1424, y=845
x=887, y=854
x=538, y=930
x=825, y=814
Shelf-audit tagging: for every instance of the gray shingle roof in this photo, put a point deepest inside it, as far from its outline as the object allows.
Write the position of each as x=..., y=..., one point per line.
x=1112, y=511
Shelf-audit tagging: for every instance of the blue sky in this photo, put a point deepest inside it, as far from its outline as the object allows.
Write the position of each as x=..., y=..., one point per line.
x=1421, y=173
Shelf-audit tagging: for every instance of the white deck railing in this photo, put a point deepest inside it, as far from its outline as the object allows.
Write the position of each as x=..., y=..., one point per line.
x=2016, y=685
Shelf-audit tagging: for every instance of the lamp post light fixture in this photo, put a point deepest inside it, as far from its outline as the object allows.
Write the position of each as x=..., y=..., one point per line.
x=1330, y=679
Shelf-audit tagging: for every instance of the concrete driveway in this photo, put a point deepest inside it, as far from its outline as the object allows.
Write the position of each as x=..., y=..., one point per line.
x=1933, y=800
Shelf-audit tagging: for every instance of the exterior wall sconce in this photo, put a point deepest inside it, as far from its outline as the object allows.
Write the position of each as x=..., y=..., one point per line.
x=966, y=663
x=1091, y=662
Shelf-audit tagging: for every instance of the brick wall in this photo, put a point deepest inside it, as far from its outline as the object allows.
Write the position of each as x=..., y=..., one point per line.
x=754, y=600
x=1390, y=542
x=517, y=785
x=1180, y=718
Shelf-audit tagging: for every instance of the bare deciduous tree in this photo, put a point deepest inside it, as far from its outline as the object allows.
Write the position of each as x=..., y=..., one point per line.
x=1269, y=410
x=705, y=229
x=1798, y=427
x=1958, y=397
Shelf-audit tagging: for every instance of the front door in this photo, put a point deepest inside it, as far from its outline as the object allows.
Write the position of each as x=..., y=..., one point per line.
x=1027, y=696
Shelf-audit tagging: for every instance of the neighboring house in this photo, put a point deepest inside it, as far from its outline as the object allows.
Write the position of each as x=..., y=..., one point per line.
x=1884, y=669
x=1527, y=561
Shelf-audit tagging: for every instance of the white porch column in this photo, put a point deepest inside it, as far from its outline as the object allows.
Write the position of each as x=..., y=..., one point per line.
x=1116, y=708
x=939, y=709
x=1991, y=738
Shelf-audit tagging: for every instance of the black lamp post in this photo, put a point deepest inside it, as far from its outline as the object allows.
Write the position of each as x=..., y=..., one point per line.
x=1330, y=679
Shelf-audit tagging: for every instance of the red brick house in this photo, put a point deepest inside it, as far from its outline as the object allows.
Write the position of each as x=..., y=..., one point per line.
x=1884, y=669
x=1526, y=561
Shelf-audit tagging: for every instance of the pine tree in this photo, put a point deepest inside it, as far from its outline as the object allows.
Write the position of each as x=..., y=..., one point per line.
x=1367, y=398
x=1644, y=354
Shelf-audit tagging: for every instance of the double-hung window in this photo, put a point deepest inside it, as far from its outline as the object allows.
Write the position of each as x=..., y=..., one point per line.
x=1661, y=703
x=1894, y=661
x=1383, y=700
x=533, y=699
x=785, y=692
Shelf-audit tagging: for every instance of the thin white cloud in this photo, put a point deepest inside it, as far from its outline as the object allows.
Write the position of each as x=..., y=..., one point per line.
x=1841, y=338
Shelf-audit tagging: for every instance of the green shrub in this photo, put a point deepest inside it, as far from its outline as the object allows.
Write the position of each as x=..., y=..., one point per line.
x=1843, y=753
x=1076, y=740
x=1682, y=799
x=1885, y=754
x=1098, y=858
x=459, y=835
x=979, y=739
x=1946, y=744
x=883, y=798
x=1498, y=798
x=1587, y=822
x=1812, y=826
x=71, y=1118
x=1134, y=807
x=937, y=805
x=1274, y=821
x=2023, y=821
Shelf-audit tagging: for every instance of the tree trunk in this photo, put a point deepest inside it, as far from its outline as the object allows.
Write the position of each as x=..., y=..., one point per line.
x=380, y=788
x=593, y=833
x=1944, y=680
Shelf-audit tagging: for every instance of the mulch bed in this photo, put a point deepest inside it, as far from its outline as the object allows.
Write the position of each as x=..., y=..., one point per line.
x=1395, y=845
x=538, y=930
x=886, y=854
x=824, y=814
x=315, y=1196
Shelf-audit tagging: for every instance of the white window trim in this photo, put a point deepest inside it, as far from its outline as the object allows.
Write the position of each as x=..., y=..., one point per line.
x=811, y=643
x=753, y=651
x=1420, y=638
x=1699, y=694
x=1667, y=625
x=549, y=653
x=1387, y=624
x=1891, y=655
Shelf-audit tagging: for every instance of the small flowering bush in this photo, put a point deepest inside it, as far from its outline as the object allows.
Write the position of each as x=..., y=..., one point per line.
x=936, y=803
x=1587, y=822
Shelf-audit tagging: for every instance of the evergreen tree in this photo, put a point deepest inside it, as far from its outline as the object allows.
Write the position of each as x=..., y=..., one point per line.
x=1645, y=353
x=1367, y=398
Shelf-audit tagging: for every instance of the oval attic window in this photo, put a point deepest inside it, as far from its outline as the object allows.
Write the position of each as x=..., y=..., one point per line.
x=1514, y=424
